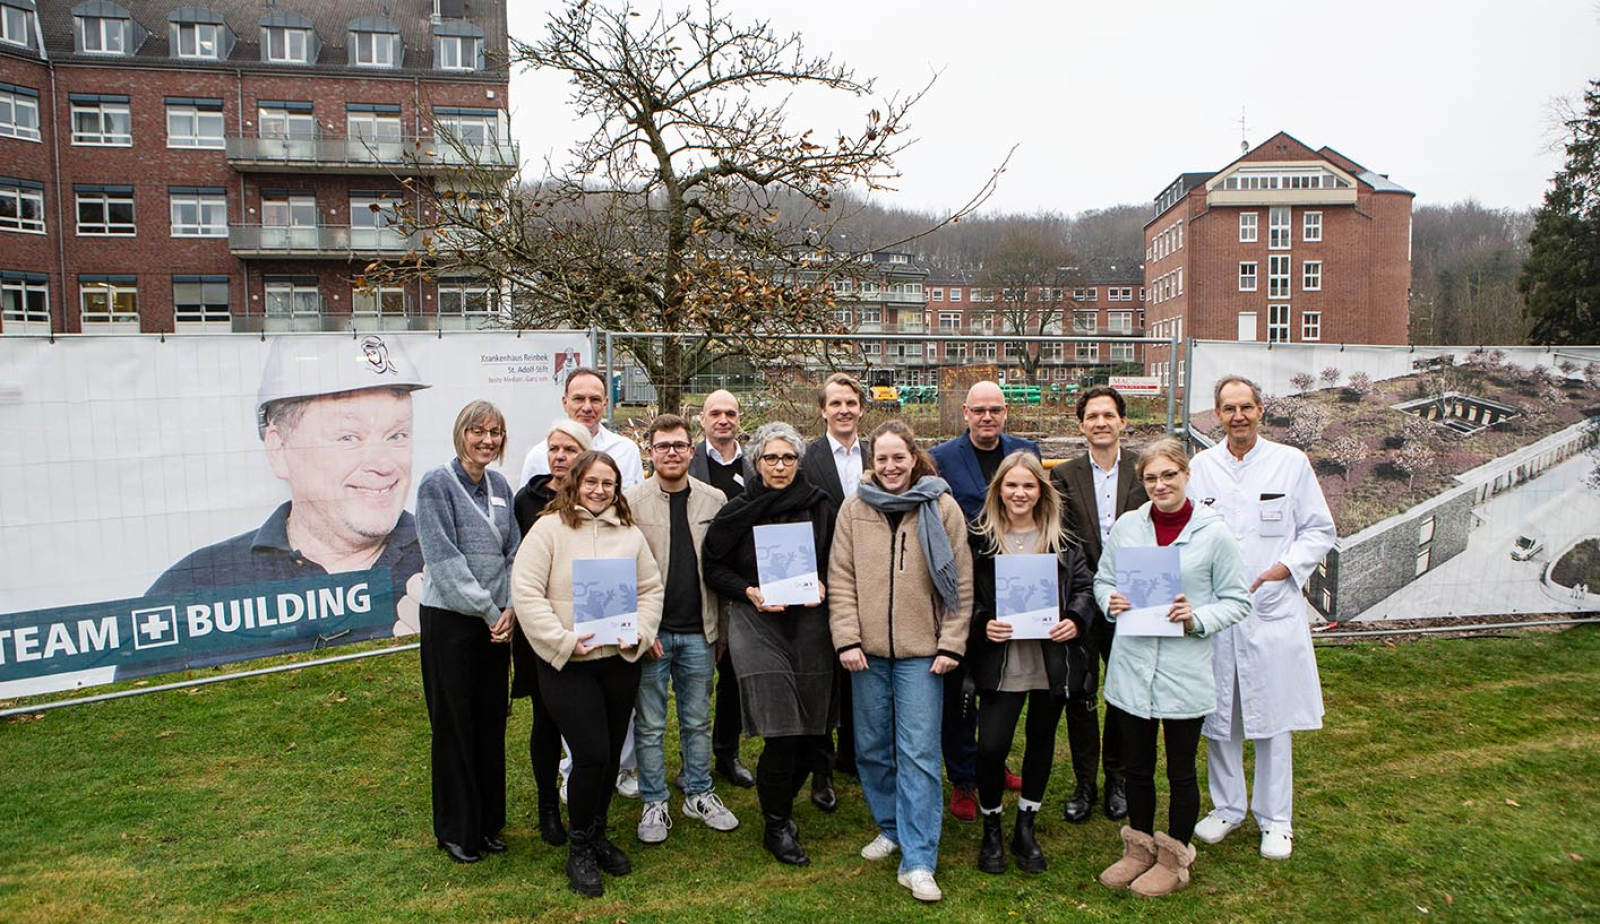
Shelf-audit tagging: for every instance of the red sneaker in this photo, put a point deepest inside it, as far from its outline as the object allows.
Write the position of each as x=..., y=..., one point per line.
x=964, y=805
x=1013, y=782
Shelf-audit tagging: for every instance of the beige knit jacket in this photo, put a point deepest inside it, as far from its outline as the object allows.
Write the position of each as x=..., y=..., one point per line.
x=880, y=595
x=541, y=582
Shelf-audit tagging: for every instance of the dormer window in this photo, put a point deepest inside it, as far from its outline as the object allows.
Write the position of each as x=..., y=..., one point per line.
x=288, y=38
x=197, y=33
x=198, y=40
x=16, y=23
x=375, y=42
x=457, y=46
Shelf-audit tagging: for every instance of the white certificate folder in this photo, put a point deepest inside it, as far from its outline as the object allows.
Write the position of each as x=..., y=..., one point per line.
x=786, y=563
x=1026, y=594
x=1150, y=578
x=605, y=600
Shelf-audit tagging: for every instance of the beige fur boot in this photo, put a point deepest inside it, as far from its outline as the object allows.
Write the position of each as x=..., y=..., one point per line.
x=1171, y=871
x=1138, y=855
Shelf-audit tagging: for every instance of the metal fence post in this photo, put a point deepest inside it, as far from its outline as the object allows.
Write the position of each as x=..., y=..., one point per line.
x=1172, y=385
x=611, y=403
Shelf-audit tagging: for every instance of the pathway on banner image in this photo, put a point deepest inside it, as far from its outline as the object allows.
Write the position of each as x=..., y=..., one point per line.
x=1483, y=579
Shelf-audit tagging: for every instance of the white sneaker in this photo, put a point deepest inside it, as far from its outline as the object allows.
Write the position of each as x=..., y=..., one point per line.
x=921, y=884
x=709, y=809
x=881, y=848
x=628, y=784
x=655, y=824
x=1277, y=842
x=1213, y=828
x=563, y=790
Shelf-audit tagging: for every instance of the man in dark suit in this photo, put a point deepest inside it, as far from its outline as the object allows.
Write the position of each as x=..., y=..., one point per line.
x=833, y=462
x=968, y=464
x=1096, y=488
x=719, y=462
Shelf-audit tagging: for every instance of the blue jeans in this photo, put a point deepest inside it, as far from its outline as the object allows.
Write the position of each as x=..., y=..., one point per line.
x=898, y=703
x=687, y=658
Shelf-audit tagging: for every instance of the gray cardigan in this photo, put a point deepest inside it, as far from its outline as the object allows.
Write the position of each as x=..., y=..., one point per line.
x=468, y=554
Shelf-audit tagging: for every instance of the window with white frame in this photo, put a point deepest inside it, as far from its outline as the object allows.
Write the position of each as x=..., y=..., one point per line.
x=935, y=295
x=101, y=120
x=199, y=211
x=872, y=348
x=375, y=49
x=843, y=286
x=1311, y=226
x=1122, y=352
x=1087, y=352
x=955, y=294
x=380, y=302
x=1278, y=237
x=1084, y=323
x=105, y=211
x=291, y=297
x=471, y=127
x=201, y=40
x=283, y=210
x=1277, y=323
x=1311, y=276
x=949, y=321
x=110, y=300
x=1278, y=276
x=841, y=317
x=19, y=112
x=21, y=205
x=1016, y=349
x=372, y=123
x=1311, y=325
x=1424, y=558
x=284, y=119
x=16, y=26
x=1119, y=322
x=1247, y=227
x=25, y=298
x=982, y=320
x=871, y=316
x=1052, y=352
x=104, y=35
x=1247, y=276
x=200, y=300
x=467, y=297
x=195, y=123
x=457, y=52
x=956, y=350
x=284, y=45
x=982, y=350
x=1425, y=531
x=908, y=351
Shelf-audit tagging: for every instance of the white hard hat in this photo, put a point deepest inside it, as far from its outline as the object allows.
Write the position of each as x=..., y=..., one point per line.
x=305, y=367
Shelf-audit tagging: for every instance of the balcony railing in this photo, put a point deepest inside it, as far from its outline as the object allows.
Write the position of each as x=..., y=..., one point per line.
x=366, y=155
x=324, y=241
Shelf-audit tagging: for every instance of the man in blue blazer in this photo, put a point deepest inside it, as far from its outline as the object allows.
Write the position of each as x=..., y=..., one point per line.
x=968, y=464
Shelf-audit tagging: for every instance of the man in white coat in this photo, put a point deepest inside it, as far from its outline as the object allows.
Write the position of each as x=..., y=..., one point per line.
x=1266, y=672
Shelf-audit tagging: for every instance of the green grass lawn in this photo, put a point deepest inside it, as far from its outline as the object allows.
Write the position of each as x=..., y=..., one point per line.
x=1450, y=783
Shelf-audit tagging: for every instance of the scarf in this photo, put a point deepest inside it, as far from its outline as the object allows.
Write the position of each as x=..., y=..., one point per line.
x=923, y=497
x=736, y=521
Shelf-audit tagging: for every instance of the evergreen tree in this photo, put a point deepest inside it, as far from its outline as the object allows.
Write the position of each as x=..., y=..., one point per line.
x=1561, y=278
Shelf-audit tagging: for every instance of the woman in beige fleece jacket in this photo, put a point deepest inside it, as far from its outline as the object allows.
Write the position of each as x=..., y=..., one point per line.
x=900, y=587
x=588, y=686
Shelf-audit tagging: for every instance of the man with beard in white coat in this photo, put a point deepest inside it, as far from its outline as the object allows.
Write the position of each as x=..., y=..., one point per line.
x=1266, y=672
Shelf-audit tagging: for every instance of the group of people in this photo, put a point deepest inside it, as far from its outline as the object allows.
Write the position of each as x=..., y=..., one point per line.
x=903, y=648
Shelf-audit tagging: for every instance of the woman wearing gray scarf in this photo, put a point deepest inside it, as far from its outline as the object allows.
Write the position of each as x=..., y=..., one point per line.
x=900, y=592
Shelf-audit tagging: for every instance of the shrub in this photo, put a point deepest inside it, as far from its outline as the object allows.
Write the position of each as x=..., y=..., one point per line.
x=1302, y=381
x=1330, y=376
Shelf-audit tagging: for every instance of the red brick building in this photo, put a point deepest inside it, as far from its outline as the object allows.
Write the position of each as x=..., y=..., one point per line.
x=234, y=165
x=1285, y=244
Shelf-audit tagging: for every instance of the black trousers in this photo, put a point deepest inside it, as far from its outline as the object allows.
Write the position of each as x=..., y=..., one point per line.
x=591, y=702
x=1139, y=766
x=544, y=739
x=726, y=724
x=1083, y=720
x=958, y=733
x=782, y=770
x=464, y=684
x=825, y=756
x=998, y=712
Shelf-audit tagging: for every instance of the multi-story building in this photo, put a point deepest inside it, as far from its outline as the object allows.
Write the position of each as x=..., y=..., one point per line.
x=167, y=166
x=887, y=296
x=1285, y=244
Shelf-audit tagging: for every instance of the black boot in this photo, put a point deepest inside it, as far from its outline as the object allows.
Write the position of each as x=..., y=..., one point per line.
x=992, y=855
x=583, y=871
x=609, y=855
x=1116, y=798
x=780, y=839
x=551, y=831
x=1082, y=803
x=1030, y=859
x=822, y=794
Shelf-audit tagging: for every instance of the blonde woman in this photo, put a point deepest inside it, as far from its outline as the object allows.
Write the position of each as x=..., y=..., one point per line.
x=1022, y=516
x=1164, y=683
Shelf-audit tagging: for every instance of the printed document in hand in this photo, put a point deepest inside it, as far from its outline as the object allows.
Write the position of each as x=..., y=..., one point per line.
x=1149, y=577
x=605, y=600
x=1026, y=594
x=786, y=563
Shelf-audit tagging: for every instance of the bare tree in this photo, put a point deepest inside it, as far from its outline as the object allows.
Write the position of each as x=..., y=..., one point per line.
x=1360, y=384
x=695, y=208
x=1302, y=381
x=1033, y=274
x=1330, y=376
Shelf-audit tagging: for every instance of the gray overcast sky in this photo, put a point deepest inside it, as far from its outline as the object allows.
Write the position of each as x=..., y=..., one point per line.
x=1110, y=101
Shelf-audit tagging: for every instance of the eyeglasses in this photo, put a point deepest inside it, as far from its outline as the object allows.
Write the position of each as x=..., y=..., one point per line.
x=786, y=459
x=1167, y=477
x=987, y=411
x=679, y=447
x=605, y=484
x=479, y=433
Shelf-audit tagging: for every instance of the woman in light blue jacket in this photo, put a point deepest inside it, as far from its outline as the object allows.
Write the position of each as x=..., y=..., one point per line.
x=1165, y=682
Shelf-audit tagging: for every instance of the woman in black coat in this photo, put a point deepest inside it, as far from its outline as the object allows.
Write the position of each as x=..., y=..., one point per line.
x=1022, y=516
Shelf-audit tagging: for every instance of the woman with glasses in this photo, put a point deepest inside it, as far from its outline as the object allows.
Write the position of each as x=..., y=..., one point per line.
x=566, y=440
x=468, y=541
x=782, y=654
x=1022, y=516
x=1164, y=683
x=588, y=685
x=901, y=582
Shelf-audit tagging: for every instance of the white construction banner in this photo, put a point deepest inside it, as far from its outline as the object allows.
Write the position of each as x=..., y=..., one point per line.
x=179, y=502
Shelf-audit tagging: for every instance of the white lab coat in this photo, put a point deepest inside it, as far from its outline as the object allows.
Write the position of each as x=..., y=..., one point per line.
x=621, y=449
x=1270, y=651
